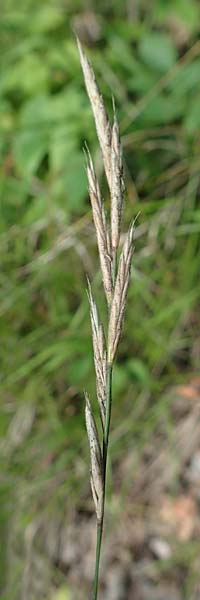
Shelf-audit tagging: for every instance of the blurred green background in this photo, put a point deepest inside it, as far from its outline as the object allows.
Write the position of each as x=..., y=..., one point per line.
x=147, y=54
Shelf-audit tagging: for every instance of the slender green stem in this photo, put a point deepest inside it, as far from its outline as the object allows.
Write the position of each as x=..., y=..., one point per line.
x=105, y=454
x=98, y=553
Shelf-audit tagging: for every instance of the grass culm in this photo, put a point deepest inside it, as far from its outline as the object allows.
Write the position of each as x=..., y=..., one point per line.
x=115, y=272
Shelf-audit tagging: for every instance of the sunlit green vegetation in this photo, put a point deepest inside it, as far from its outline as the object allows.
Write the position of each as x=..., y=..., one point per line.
x=149, y=59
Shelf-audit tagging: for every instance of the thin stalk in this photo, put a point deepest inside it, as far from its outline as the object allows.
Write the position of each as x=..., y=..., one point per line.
x=98, y=554
x=105, y=455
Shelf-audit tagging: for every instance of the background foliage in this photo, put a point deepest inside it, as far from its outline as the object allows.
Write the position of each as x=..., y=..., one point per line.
x=148, y=55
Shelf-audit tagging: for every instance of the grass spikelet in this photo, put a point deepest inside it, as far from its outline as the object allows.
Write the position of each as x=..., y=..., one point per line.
x=96, y=458
x=100, y=115
x=120, y=294
x=99, y=349
x=117, y=187
x=102, y=231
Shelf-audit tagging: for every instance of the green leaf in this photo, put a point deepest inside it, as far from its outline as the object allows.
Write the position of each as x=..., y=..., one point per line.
x=184, y=12
x=79, y=371
x=186, y=80
x=63, y=146
x=138, y=371
x=142, y=80
x=29, y=149
x=29, y=74
x=47, y=18
x=162, y=109
x=157, y=51
x=71, y=185
x=38, y=112
x=121, y=52
x=6, y=119
x=192, y=120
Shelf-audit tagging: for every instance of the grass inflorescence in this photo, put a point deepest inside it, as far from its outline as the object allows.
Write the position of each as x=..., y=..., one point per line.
x=115, y=278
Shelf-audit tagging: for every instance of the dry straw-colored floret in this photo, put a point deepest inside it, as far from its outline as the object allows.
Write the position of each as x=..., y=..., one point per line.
x=119, y=297
x=100, y=115
x=117, y=185
x=96, y=458
x=102, y=232
x=99, y=349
